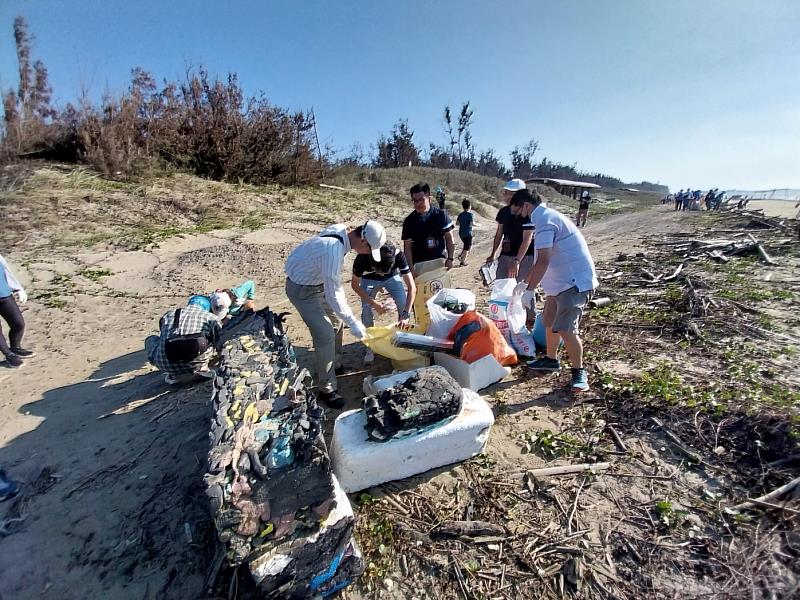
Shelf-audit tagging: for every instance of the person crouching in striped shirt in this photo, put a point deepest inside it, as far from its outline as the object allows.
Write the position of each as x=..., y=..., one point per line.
x=314, y=287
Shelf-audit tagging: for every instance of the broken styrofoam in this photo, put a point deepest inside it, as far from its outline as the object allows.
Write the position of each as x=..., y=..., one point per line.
x=473, y=376
x=360, y=463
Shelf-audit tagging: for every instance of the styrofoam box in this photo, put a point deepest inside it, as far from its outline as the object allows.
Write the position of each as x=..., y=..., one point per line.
x=360, y=463
x=474, y=376
x=279, y=558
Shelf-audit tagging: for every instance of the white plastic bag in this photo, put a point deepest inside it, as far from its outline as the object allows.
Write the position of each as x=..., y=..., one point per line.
x=505, y=308
x=523, y=343
x=442, y=320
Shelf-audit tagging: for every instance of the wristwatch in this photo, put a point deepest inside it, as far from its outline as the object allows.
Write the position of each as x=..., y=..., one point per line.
x=404, y=315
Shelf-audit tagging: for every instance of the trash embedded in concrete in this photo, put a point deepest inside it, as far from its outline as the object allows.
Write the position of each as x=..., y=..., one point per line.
x=276, y=505
x=425, y=399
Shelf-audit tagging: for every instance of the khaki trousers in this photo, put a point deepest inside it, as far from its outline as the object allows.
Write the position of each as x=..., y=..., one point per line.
x=325, y=327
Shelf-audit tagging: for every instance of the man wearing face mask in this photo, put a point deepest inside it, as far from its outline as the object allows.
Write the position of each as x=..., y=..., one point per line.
x=314, y=287
x=564, y=267
x=516, y=253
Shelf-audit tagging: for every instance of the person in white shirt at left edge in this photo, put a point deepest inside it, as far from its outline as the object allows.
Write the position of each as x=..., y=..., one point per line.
x=12, y=295
x=314, y=287
x=564, y=267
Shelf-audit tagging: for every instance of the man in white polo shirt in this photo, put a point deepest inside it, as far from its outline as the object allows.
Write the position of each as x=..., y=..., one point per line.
x=564, y=267
x=314, y=287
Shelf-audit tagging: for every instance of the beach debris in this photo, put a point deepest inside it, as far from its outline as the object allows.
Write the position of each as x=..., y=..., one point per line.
x=426, y=399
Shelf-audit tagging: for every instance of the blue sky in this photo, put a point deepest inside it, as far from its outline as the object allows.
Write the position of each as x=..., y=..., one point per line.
x=692, y=93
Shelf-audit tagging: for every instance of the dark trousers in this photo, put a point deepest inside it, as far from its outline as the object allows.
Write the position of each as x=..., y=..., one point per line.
x=16, y=324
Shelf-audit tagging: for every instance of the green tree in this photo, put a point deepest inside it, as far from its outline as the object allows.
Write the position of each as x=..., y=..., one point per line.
x=397, y=150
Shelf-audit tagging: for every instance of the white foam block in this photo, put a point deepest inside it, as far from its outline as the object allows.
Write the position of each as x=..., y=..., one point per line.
x=474, y=376
x=360, y=463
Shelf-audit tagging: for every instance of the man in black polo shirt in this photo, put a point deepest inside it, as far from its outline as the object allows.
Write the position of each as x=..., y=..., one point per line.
x=391, y=274
x=428, y=231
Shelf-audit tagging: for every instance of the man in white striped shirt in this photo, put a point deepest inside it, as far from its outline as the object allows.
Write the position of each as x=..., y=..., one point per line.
x=314, y=287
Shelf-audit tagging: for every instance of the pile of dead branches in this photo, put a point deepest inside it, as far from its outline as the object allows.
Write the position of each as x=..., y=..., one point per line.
x=682, y=298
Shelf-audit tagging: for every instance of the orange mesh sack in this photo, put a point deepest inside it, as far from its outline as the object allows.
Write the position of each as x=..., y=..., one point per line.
x=475, y=336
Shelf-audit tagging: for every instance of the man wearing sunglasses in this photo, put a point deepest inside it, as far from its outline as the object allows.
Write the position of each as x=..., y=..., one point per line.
x=427, y=231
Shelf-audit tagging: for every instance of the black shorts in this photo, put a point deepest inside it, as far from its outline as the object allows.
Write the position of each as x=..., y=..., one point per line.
x=467, y=241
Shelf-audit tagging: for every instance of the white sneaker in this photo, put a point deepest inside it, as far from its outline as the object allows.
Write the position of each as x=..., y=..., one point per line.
x=369, y=357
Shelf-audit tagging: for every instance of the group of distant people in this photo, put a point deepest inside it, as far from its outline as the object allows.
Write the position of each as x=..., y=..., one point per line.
x=694, y=199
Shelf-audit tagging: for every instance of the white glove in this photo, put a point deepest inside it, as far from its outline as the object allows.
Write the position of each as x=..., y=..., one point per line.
x=520, y=289
x=358, y=330
x=529, y=299
x=21, y=296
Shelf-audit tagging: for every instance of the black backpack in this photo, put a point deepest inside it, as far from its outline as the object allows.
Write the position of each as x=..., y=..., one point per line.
x=183, y=348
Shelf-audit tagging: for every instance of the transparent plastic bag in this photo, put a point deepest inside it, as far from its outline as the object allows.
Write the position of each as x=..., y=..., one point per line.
x=441, y=319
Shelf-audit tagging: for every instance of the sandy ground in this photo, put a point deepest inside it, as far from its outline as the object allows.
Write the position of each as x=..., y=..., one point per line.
x=112, y=459
x=775, y=208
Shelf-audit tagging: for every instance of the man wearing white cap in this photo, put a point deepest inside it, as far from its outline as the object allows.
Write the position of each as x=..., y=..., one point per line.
x=314, y=287
x=515, y=253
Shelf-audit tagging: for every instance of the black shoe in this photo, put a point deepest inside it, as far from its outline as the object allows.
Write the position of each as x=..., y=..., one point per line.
x=332, y=399
x=340, y=370
x=22, y=353
x=13, y=361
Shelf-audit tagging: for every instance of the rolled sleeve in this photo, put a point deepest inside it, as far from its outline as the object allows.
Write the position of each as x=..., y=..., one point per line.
x=544, y=239
x=447, y=222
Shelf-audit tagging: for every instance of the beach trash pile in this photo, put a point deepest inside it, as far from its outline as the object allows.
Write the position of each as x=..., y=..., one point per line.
x=426, y=398
x=276, y=505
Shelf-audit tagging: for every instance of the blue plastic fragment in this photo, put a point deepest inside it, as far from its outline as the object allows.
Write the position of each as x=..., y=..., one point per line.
x=280, y=454
x=329, y=573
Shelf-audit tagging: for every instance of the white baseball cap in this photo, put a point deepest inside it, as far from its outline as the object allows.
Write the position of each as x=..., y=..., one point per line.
x=515, y=185
x=220, y=304
x=375, y=235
